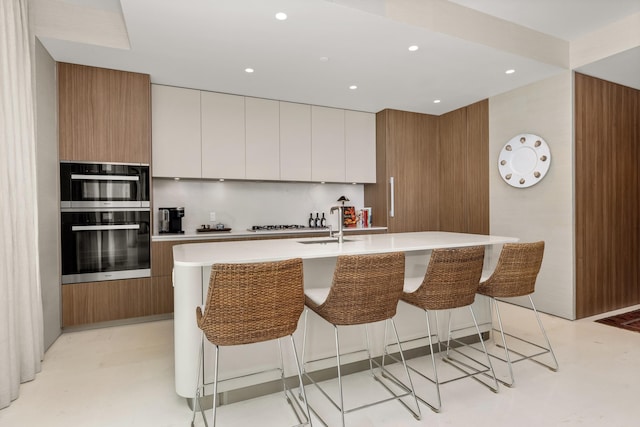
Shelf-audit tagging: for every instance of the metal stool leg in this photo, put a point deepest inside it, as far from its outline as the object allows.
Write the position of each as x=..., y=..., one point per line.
x=339, y=375
x=196, y=400
x=507, y=357
x=215, y=384
x=555, y=366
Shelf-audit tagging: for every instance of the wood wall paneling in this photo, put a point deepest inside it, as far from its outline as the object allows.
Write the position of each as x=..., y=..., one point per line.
x=477, y=185
x=454, y=204
x=607, y=186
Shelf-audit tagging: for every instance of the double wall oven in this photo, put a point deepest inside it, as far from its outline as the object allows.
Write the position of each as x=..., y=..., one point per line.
x=105, y=215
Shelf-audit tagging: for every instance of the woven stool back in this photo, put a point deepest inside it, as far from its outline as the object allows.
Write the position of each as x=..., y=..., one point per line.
x=516, y=271
x=451, y=279
x=248, y=303
x=365, y=289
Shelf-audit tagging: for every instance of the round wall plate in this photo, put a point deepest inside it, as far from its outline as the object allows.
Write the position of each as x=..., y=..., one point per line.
x=524, y=160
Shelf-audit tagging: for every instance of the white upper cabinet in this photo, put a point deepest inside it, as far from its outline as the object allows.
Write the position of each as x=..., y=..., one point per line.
x=295, y=142
x=175, y=127
x=223, y=135
x=262, y=123
x=199, y=134
x=327, y=144
x=360, y=146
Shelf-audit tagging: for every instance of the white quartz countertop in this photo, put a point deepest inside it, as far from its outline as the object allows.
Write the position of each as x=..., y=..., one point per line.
x=222, y=235
x=206, y=254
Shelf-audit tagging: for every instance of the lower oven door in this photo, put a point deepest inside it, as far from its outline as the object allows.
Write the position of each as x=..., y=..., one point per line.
x=105, y=245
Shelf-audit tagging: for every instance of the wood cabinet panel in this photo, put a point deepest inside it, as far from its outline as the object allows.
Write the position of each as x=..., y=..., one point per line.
x=84, y=303
x=464, y=157
x=477, y=170
x=176, y=133
x=162, y=295
x=454, y=204
x=607, y=184
x=412, y=160
x=104, y=115
x=407, y=150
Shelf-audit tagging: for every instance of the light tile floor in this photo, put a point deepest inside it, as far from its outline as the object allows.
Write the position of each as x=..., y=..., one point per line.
x=123, y=376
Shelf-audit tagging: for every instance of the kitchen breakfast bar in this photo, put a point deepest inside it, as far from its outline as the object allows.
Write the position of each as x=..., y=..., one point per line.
x=191, y=271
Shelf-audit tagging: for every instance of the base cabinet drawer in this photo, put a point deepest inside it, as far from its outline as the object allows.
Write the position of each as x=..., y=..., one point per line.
x=93, y=302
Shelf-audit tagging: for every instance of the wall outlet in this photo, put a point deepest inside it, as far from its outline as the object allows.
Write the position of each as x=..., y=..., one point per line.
x=212, y=216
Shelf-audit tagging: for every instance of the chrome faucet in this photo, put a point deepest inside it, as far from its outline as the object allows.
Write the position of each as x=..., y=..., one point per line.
x=339, y=234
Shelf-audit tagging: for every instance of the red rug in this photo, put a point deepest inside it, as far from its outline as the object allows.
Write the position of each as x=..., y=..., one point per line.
x=629, y=321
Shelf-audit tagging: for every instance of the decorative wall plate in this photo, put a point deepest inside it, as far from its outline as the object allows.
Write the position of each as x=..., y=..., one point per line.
x=524, y=160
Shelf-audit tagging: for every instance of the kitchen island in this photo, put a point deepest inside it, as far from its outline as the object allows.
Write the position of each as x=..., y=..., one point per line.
x=192, y=267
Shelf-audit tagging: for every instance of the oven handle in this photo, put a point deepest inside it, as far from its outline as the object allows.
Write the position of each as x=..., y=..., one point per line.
x=105, y=227
x=105, y=177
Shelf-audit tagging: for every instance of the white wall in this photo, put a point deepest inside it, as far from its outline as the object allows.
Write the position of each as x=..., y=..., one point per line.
x=47, y=176
x=545, y=210
x=241, y=204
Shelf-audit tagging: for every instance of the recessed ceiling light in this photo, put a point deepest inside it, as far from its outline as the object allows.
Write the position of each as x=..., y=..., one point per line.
x=176, y=178
x=221, y=180
x=324, y=58
x=248, y=70
x=436, y=101
x=413, y=48
x=281, y=16
x=353, y=87
x=510, y=71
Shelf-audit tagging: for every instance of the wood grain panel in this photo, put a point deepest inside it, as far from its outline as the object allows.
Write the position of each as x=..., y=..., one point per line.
x=162, y=295
x=607, y=185
x=84, y=303
x=104, y=115
x=454, y=203
x=129, y=112
x=162, y=258
x=477, y=169
x=464, y=156
x=412, y=159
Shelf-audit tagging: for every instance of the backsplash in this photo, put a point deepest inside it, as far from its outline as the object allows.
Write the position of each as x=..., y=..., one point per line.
x=241, y=204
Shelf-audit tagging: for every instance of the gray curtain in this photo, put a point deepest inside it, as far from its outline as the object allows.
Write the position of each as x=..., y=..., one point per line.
x=21, y=337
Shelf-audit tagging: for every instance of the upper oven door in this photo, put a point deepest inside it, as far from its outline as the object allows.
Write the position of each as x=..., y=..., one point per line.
x=96, y=185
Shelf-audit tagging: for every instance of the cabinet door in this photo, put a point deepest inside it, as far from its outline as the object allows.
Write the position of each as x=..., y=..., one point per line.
x=82, y=113
x=295, y=142
x=360, y=146
x=223, y=136
x=176, y=132
x=104, y=115
x=129, y=112
x=262, y=144
x=327, y=144
x=412, y=157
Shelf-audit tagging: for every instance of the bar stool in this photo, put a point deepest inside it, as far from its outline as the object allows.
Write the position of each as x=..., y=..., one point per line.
x=450, y=282
x=365, y=289
x=252, y=303
x=515, y=276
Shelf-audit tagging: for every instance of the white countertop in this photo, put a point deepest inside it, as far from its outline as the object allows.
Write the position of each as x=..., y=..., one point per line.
x=222, y=235
x=206, y=254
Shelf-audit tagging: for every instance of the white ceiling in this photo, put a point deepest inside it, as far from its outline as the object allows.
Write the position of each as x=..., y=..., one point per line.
x=463, y=54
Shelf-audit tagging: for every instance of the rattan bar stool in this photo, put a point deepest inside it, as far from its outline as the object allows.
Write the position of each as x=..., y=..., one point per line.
x=515, y=276
x=365, y=289
x=252, y=303
x=450, y=282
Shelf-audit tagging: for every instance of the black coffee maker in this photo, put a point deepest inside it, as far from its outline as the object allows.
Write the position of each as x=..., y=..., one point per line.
x=171, y=220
